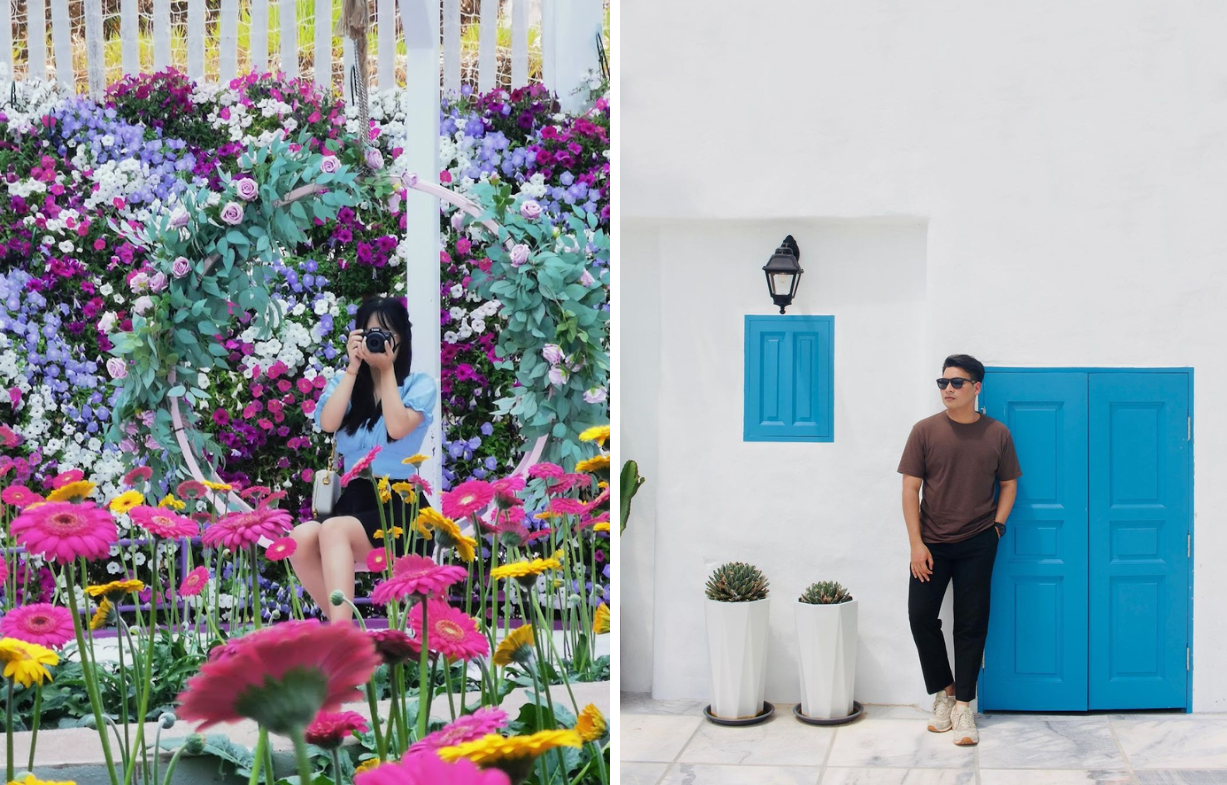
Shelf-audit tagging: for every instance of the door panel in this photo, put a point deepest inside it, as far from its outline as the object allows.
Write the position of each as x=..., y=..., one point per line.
x=1036, y=653
x=1139, y=514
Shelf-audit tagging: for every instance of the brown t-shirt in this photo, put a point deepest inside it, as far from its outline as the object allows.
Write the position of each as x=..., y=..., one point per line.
x=958, y=463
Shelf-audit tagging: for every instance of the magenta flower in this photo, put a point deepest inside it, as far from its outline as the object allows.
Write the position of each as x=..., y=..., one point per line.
x=415, y=575
x=330, y=729
x=162, y=522
x=359, y=467
x=41, y=623
x=428, y=769
x=141, y=474
x=63, y=531
x=467, y=498
x=241, y=529
x=545, y=470
x=194, y=582
x=568, y=506
x=470, y=727
x=282, y=548
x=453, y=633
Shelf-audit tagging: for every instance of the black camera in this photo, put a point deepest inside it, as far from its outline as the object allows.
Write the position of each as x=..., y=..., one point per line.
x=376, y=339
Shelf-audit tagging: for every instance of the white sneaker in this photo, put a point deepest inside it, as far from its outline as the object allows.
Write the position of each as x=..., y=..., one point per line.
x=964, y=721
x=939, y=722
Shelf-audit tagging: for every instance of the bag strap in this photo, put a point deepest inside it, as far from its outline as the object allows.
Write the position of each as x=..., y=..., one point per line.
x=332, y=462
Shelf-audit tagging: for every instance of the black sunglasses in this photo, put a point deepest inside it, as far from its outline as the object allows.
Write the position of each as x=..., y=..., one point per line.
x=957, y=383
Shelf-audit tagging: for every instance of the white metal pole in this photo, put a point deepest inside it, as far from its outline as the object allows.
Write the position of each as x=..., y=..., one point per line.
x=420, y=20
x=575, y=28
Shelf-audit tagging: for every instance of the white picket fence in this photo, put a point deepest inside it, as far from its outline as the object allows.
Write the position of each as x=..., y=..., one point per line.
x=508, y=43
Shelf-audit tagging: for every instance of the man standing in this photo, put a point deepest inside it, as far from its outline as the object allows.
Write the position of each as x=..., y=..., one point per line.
x=956, y=456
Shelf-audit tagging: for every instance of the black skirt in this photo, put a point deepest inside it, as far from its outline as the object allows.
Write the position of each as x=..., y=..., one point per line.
x=358, y=499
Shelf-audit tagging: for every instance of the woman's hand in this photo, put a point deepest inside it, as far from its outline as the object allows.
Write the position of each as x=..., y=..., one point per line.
x=381, y=360
x=354, y=348
x=922, y=562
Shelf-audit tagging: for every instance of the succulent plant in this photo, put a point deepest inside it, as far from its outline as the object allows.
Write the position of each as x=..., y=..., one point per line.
x=825, y=593
x=737, y=582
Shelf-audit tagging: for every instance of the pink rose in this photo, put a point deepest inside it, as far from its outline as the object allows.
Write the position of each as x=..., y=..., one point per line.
x=530, y=210
x=586, y=279
x=178, y=218
x=117, y=368
x=559, y=376
x=519, y=254
x=180, y=267
x=330, y=164
x=232, y=213
x=374, y=158
x=157, y=282
x=552, y=353
x=247, y=188
x=595, y=395
x=409, y=180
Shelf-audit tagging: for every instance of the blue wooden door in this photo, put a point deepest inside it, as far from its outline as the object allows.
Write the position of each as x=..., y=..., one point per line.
x=1036, y=654
x=1140, y=435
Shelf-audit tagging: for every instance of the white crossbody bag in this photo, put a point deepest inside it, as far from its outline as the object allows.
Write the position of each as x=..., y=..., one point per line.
x=326, y=487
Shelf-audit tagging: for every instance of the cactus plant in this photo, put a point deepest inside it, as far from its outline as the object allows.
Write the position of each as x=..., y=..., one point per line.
x=825, y=593
x=737, y=582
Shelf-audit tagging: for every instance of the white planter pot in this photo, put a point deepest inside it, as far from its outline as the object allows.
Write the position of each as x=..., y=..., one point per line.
x=737, y=653
x=826, y=638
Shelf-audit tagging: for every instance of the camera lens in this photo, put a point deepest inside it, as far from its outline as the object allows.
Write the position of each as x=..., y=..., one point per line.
x=375, y=340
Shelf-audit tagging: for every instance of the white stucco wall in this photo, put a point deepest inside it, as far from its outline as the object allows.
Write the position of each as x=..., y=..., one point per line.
x=1040, y=185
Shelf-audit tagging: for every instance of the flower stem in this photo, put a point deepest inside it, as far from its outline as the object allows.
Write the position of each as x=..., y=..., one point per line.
x=423, y=694
x=381, y=745
x=336, y=764
x=91, y=687
x=8, y=733
x=258, y=758
x=38, y=711
x=300, y=752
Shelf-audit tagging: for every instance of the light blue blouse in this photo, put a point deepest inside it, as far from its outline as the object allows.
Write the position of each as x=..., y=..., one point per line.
x=418, y=392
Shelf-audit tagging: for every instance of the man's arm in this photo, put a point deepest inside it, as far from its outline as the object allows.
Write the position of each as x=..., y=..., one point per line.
x=1005, y=501
x=911, y=507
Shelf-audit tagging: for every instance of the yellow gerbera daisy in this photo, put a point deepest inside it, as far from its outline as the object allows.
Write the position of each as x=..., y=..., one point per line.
x=115, y=588
x=593, y=465
x=416, y=460
x=406, y=491
x=169, y=500
x=30, y=779
x=600, y=620
x=602, y=485
x=126, y=501
x=25, y=663
x=217, y=486
x=100, y=616
x=546, y=515
x=73, y=490
x=591, y=725
x=450, y=536
x=603, y=526
x=598, y=434
x=496, y=750
x=396, y=531
x=367, y=765
x=516, y=647
x=385, y=493
x=523, y=569
x=428, y=520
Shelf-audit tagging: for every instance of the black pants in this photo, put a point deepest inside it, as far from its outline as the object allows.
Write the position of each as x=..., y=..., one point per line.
x=970, y=564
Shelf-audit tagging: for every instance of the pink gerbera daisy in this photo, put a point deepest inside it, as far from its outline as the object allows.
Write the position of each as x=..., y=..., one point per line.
x=452, y=633
x=360, y=467
x=67, y=478
x=63, y=531
x=282, y=676
x=505, y=491
x=329, y=729
x=416, y=575
x=547, y=470
x=257, y=492
x=467, y=498
x=240, y=529
x=140, y=474
x=537, y=535
x=470, y=727
x=194, y=582
x=428, y=769
x=162, y=522
x=275, y=496
x=41, y=623
x=281, y=549
x=4, y=569
x=564, y=484
x=377, y=560
x=394, y=646
x=568, y=506
x=417, y=480
x=191, y=489
x=20, y=496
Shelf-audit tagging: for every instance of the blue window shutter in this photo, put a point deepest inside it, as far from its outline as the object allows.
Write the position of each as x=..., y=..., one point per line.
x=789, y=379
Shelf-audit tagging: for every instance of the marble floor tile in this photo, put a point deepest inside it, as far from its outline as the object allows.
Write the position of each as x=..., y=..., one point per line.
x=1159, y=744
x=882, y=712
x=902, y=744
x=650, y=738
x=782, y=741
x=641, y=773
x=1025, y=743
x=857, y=776
x=1181, y=777
x=704, y=774
x=1053, y=777
x=642, y=703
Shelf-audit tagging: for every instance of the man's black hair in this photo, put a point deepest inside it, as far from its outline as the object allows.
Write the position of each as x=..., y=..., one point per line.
x=965, y=362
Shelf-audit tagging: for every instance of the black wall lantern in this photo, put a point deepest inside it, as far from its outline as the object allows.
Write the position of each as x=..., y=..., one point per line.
x=784, y=273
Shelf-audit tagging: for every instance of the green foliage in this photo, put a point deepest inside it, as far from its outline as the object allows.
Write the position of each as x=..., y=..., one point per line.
x=737, y=582
x=629, y=486
x=227, y=276
x=549, y=301
x=825, y=593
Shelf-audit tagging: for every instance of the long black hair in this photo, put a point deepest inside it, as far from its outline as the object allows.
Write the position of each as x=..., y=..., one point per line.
x=393, y=317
